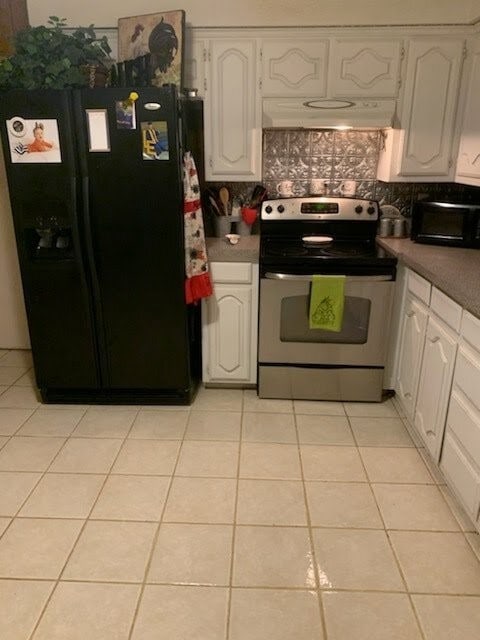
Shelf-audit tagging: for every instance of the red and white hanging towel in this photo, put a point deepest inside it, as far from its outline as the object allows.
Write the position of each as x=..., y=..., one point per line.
x=198, y=283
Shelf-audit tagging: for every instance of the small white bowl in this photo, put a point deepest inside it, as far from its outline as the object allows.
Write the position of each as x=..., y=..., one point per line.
x=233, y=238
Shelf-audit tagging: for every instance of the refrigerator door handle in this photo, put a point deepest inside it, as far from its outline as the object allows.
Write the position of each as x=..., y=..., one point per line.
x=92, y=268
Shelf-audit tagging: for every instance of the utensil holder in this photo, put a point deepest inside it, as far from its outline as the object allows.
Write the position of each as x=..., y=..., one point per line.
x=222, y=225
x=243, y=228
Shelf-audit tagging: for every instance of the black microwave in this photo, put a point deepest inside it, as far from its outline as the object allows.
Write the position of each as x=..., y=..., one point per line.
x=446, y=223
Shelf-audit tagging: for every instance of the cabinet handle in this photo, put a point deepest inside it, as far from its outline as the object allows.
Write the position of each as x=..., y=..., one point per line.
x=410, y=314
x=435, y=339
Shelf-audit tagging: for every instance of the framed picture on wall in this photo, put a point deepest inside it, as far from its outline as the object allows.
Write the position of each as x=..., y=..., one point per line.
x=160, y=37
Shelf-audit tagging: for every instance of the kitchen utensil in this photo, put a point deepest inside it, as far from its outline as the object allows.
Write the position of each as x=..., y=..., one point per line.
x=258, y=195
x=233, y=238
x=224, y=196
x=215, y=206
x=236, y=209
x=249, y=215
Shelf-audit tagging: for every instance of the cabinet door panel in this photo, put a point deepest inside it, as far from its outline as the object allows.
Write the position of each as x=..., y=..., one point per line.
x=414, y=324
x=462, y=475
x=434, y=386
x=365, y=68
x=431, y=92
x=229, y=333
x=468, y=165
x=232, y=130
x=292, y=67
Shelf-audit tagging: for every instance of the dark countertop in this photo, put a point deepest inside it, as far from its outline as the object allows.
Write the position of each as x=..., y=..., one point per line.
x=246, y=250
x=453, y=270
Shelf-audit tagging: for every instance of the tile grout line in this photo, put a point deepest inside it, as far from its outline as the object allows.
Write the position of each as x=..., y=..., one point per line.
x=42, y=475
x=156, y=534
x=82, y=528
x=390, y=543
x=234, y=528
x=321, y=605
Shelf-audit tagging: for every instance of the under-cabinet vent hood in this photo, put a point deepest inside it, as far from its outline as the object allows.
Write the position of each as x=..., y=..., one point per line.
x=285, y=113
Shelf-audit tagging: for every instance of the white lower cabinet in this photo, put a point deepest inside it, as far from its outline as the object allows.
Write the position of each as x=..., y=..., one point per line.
x=434, y=386
x=438, y=384
x=229, y=325
x=460, y=461
x=413, y=328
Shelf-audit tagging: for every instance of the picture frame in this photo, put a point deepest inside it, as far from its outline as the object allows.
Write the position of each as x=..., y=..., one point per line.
x=158, y=37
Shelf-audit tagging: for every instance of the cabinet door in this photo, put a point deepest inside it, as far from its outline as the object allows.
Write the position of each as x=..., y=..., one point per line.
x=292, y=67
x=431, y=92
x=229, y=333
x=434, y=386
x=414, y=323
x=365, y=68
x=468, y=164
x=233, y=134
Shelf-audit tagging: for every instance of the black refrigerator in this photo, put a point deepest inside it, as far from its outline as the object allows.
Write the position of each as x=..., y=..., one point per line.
x=96, y=186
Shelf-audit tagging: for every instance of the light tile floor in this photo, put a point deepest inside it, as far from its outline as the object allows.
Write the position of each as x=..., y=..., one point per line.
x=234, y=519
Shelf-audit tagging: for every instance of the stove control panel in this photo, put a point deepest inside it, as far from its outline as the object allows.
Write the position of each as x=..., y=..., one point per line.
x=319, y=208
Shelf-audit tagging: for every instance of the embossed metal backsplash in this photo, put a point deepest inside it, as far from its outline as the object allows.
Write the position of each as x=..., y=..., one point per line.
x=303, y=155
x=332, y=156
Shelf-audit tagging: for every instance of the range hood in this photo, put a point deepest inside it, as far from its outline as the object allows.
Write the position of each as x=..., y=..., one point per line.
x=285, y=113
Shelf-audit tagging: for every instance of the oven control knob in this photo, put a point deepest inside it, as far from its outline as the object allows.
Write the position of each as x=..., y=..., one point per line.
x=371, y=210
x=280, y=208
x=358, y=208
x=268, y=209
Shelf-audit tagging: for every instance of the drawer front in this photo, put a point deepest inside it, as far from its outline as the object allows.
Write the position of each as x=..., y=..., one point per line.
x=463, y=476
x=467, y=376
x=419, y=287
x=446, y=309
x=471, y=330
x=239, y=272
x=464, y=422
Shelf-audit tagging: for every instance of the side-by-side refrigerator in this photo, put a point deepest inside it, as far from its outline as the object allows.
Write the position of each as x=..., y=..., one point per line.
x=96, y=187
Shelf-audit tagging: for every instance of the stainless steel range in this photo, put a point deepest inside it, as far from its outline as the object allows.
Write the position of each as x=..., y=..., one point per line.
x=301, y=237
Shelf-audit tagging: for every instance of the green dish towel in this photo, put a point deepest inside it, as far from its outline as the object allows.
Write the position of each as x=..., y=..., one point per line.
x=326, y=302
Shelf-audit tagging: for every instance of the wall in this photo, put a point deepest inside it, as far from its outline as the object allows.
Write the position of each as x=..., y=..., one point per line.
x=263, y=12
x=13, y=320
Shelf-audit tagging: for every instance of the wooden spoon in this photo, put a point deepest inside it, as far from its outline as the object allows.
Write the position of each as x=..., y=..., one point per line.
x=224, y=196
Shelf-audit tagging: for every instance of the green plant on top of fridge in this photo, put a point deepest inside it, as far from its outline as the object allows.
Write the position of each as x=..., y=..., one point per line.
x=46, y=57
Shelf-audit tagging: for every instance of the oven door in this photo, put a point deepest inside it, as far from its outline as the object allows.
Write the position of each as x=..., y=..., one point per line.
x=286, y=338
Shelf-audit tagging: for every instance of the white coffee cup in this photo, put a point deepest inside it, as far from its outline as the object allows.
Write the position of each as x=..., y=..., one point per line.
x=348, y=188
x=285, y=188
x=318, y=186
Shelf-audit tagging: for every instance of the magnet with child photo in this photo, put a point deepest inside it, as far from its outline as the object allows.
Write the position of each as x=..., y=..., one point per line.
x=33, y=140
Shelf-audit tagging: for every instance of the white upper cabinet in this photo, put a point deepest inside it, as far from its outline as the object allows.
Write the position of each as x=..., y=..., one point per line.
x=431, y=94
x=232, y=111
x=293, y=66
x=468, y=163
x=365, y=68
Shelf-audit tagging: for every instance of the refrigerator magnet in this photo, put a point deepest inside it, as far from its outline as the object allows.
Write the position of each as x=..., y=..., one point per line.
x=98, y=134
x=33, y=141
x=155, y=140
x=125, y=113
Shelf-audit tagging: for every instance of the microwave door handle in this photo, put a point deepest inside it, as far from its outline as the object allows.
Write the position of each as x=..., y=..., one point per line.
x=308, y=278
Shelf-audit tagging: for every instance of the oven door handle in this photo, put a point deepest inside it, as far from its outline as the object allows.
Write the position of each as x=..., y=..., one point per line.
x=291, y=276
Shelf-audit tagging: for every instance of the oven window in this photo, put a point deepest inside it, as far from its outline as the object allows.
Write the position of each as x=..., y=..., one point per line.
x=294, y=325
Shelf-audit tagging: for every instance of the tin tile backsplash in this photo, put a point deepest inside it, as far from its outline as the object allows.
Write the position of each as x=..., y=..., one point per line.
x=332, y=156
x=302, y=155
